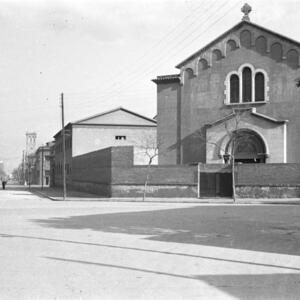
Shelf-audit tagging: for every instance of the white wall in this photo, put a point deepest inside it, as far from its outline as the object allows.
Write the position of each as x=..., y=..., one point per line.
x=87, y=139
x=271, y=133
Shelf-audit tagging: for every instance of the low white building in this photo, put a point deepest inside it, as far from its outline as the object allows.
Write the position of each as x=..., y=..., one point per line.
x=117, y=127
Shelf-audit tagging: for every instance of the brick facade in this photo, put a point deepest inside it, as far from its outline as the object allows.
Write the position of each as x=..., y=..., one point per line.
x=110, y=173
x=198, y=96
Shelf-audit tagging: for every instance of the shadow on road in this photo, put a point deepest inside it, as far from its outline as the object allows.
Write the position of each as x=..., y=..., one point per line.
x=257, y=228
x=172, y=253
x=256, y=286
x=253, y=286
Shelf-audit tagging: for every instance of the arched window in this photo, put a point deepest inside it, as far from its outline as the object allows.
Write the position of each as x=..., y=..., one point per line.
x=188, y=74
x=216, y=55
x=234, y=89
x=203, y=64
x=276, y=52
x=261, y=45
x=292, y=59
x=247, y=84
x=245, y=37
x=230, y=46
x=259, y=87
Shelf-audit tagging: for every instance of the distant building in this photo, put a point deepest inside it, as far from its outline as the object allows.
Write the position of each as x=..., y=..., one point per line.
x=41, y=168
x=30, y=142
x=30, y=158
x=117, y=127
x=2, y=171
x=52, y=164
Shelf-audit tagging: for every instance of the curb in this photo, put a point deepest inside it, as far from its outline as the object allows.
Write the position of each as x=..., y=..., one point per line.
x=43, y=195
x=286, y=201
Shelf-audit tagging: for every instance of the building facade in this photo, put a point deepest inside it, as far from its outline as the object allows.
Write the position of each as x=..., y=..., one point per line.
x=41, y=168
x=118, y=127
x=238, y=94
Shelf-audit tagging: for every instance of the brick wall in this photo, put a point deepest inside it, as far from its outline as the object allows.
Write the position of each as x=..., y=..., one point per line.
x=110, y=173
x=215, y=168
x=163, y=181
x=268, y=174
x=268, y=181
x=92, y=172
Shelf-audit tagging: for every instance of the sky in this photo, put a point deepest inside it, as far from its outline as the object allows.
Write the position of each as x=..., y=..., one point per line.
x=102, y=54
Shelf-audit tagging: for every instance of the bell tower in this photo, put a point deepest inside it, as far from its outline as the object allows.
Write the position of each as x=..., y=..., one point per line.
x=30, y=142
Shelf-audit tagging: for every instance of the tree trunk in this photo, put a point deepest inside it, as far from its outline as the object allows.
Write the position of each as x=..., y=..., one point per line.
x=147, y=178
x=233, y=171
x=233, y=180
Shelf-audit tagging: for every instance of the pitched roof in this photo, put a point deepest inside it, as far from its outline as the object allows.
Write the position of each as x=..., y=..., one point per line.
x=112, y=111
x=89, y=120
x=235, y=27
x=253, y=112
x=167, y=78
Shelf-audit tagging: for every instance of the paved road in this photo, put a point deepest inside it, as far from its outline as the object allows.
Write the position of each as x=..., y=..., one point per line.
x=102, y=250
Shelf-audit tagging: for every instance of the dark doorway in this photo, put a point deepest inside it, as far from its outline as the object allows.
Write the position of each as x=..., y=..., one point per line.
x=248, y=146
x=215, y=184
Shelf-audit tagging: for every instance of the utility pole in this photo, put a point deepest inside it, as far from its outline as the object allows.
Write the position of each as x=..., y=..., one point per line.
x=63, y=147
x=42, y=167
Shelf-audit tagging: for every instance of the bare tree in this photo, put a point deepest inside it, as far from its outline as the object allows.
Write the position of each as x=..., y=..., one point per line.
x=232, y=133
x=18, y=174
x=148, y=148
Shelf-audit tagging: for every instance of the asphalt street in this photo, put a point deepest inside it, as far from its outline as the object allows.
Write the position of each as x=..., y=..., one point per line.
x=111, y=250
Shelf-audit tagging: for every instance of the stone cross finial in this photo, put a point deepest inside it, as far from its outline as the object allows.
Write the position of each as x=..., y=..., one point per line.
x=246, y=9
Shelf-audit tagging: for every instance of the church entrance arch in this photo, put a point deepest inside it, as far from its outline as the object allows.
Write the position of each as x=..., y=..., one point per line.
x=248, y=146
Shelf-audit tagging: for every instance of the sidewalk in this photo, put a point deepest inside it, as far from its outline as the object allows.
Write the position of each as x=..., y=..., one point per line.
x=56, y=194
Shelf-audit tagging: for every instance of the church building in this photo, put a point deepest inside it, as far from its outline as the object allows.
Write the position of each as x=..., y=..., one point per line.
x=239, y=93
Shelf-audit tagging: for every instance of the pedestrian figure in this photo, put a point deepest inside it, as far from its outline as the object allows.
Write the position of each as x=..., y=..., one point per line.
x=3, y=183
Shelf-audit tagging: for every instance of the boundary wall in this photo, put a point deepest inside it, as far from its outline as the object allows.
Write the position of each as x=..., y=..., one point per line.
x=110, y=173
x=268, y=180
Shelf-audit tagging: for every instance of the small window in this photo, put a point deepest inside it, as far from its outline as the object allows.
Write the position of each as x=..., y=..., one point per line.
x=245, y=38
x=231, y=46
x=216, y=55
x=293, y=59
x=120, y=137
x=234, y=89
x=259, y=87
x=261, y=45
x=247, y=85
x=203, y=64
x=276, y=52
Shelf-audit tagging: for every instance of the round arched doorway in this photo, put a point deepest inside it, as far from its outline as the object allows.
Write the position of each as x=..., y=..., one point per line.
x=248, y=146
